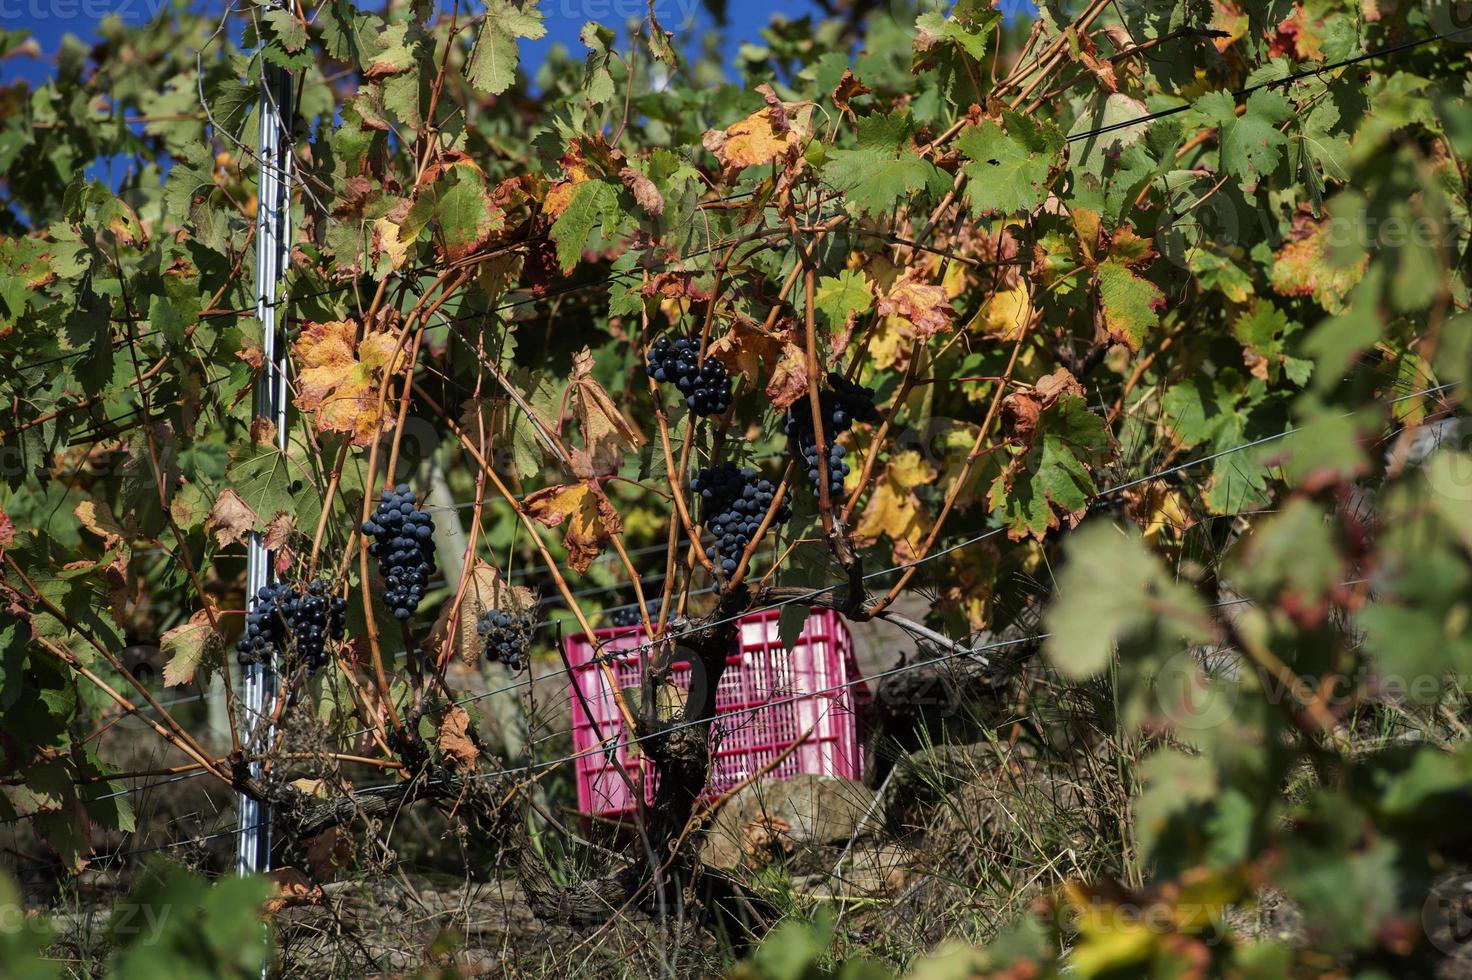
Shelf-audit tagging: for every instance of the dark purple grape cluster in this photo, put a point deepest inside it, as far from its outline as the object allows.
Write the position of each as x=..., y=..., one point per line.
x=507, y=636
x=706, y=386
x=734, y=500
x=626, y=616
x=843, y=403
x=403, y=543
x=293, y=623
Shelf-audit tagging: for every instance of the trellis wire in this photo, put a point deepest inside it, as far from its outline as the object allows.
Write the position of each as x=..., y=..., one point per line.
x=967, y=652
x=966, y=543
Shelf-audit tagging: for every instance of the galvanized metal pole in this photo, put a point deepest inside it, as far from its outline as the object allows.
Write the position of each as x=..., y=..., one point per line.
x=273, y=243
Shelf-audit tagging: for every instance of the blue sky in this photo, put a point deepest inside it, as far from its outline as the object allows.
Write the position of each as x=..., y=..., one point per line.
x=49, y=20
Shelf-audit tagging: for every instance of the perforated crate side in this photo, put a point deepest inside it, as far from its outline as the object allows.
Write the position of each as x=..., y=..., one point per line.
x=767, y=699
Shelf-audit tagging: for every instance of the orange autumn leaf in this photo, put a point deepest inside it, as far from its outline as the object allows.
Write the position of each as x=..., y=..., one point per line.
x=749, y=344
x=1303, y=267
x=340, y=379
x=922, y=305
x=761, y=137
x=455, y=739
x=848, y=89
x=590, y=518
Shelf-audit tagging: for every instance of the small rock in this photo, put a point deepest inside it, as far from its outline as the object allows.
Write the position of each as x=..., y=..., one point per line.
x=771, y=819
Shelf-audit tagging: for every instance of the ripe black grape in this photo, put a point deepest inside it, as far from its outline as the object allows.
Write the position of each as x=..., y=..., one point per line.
x=293, y=623
x=507, y=636
x=842, y=404
x=734, y=500
x=624, y=617
x=403, y=543
x=706, y=386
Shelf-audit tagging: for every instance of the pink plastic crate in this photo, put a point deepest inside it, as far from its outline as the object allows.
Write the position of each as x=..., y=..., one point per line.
x=766, y=700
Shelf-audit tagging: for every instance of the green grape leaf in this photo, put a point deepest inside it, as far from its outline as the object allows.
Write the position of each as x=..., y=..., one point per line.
x=491, y=66
x=1252, y=144
x=1049, y=481
x=1112, y=590
x=883, y=170
x=1010, y=169
x=591, y=201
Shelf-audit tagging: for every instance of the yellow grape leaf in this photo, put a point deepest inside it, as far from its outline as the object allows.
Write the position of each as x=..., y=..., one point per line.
x=949, y=447
x=971, y=575
x=589, y=515
x=922, y=305
x=340, y=379
x=606, y=433
x=761, y=137
x=485, y=588
x=894, y=510
x=1003, y=316
x=892, y=343
x=1301, y=268
x=1159, y=511
x=386, y=241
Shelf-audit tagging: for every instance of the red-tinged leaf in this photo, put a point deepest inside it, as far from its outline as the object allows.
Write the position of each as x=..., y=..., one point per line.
x=1057, y=445
x=589, y=516
x=188, y=647
x=920, y=304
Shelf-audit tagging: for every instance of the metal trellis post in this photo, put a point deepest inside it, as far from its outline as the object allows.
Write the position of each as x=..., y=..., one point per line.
x=273, y=241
